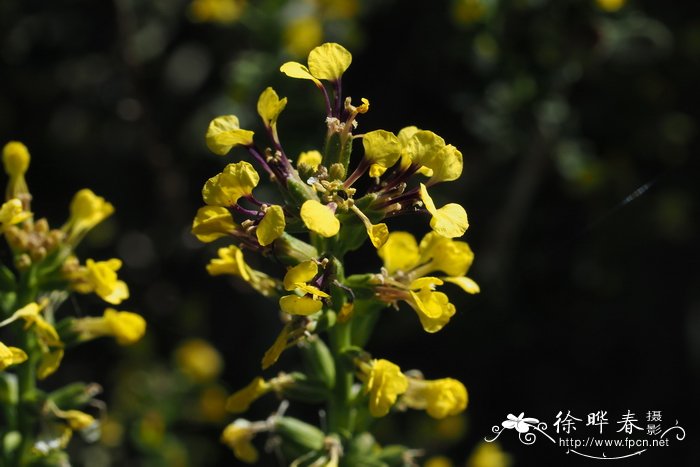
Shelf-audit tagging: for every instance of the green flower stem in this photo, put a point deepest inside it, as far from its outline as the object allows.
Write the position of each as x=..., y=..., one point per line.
x=340, y=414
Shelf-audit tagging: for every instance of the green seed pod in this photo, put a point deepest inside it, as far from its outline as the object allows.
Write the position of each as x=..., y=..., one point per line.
x=393, y=455
x=298, y=191
x=74, y=395
x=292, y=251
x=300, y=433
x=305, y=390
x=7, y=280
x=319, y=361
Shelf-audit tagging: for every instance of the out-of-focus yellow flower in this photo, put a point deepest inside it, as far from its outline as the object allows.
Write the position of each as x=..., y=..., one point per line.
x=12, y=213
x=86, y=211
x=235, y=181
x=212, y=404
x=231, y=261
x=319, y=218
x=310, y=158
x=338, y=8
x=327, y=61
x=270, y=106
x=15, y=158
x=302, y=34
x=438, y=461
x=489, y=455
x=280, y=345
x=296, y=279
x=31, y=314
x=217, y=11
x=49, y=363
x=240, y=400
x=469, y=11
x=238, y=436
x=382, y=150
x=440, y=398
x=212, y=222
x=126, y=327
x=224, y=133
x=610, y=5
x=197, y=359
x=76, y=419
x=11, y=356
x=384, y=382
x=101, y=277
x=271, y=226
x=449, y=221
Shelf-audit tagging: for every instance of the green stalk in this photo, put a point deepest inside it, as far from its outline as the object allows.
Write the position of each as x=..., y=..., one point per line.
x=340, y=414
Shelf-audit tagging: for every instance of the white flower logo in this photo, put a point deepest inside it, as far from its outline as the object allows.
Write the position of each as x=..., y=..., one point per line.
x=522, y=425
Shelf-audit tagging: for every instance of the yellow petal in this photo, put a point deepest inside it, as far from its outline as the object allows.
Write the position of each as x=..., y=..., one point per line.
x=423, y=282
x=445, y=397
x=310, y=289
x=449, y=221
x=299, y=274
x=270, y=106
x=126, y=327
x=302, y=306
x=399, y=252
x=240, y=401
x=86, y=211
x=271, y=226
x=224, y=133
x=49, y=363
x=378, y=234
x=384, y=384
x=236, y=180
x=11, y=356
x=310, y=158
x=238, y=436
x=446, y=165
x=230, y=261
x=297, y=70
x=452, y=257
x=212, y=222
x=329, y=61
x=15, y=158
x=422, y=147
x=382, y=149
x=465, y=283
x=433, y=308
x=77, y=420
x=12, y=213
x=319, y=218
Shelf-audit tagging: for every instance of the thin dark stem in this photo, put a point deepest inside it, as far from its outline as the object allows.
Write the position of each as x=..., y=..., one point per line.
x=261, y=160
x=359, y=171
x=329, y=111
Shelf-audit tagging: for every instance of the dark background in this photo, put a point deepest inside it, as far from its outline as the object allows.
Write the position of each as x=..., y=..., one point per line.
x=579, y=134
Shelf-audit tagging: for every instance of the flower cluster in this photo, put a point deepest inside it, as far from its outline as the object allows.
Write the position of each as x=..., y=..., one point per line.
x=338, y=204
x=42, y=272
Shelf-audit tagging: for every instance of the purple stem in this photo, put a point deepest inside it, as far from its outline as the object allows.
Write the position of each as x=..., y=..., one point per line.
x=247, y=212
x=359, y=170
x=329, y=112
x=261, y=160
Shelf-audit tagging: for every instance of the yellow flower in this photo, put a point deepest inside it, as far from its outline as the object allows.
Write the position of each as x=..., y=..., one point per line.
x=382, y=150
x=438, y=461
x=240, y=401
x=31, y=314
x=235, y=181
x=296, y=279
x=272, y=225
x=15, y=158
x=610, y=5
x=449, y=221
x=270, y=106
x=212, y=222
x=319, y=218
x=76, y=419
x=86, y=211
x=218, y=11
x=197, y=359
x=433, y=308
x=11, y=356
x=126, y=327
x=384, y=383
x=101, y=277
x=489, y=455
x=280, y=345
x=377, y=233
x=49, y=363
x=399, y=252
x=231, y=261
x=327, y=61
x=12, y=213
x=302, y=34
x=238, y=436
x=469, y=11
x=224, y=133
x=440, y=162
x=440, y=398
x=310, y=158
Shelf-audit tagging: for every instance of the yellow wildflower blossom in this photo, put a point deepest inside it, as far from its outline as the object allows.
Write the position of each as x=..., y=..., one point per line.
x=280, y=345
x=101, y=277
x=11, y=356
x=198, y=360
x=433, y=308
x=437, y=160
x=310, y=158
x=449, y=221
x=217, y=11
x=319, y=218
x=86, y=211
x=12, y=213
x=224, y=133
x=440, y=398
x=610, y=5
x=384, y=383
x=212, y=222
x=296, y=279
x=238, y=436
x=270, y=106
x=327, y=61
x=76, y=419
x=240, y=401
x=382, y=150
x=49, y=363
x=272, y=225
x=377, y=233
x=15, y=159
x=235, y=181
x=399, y=252
x=126, y=327
x=231, y=261
x=31, y=314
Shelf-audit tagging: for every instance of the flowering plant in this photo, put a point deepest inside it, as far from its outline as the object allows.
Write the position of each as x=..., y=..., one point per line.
x=320, y=201
x=40, y=275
